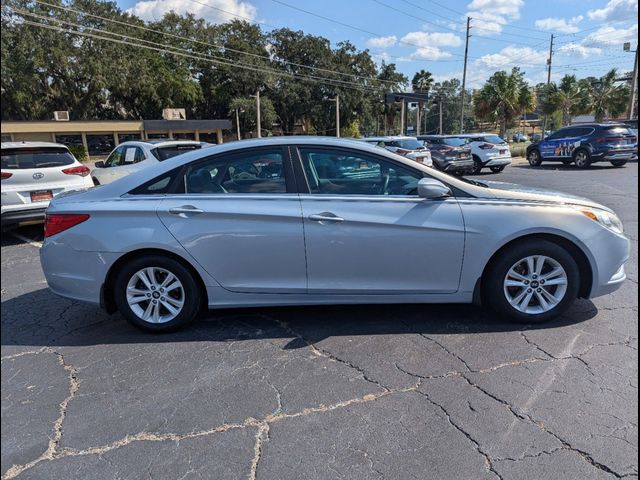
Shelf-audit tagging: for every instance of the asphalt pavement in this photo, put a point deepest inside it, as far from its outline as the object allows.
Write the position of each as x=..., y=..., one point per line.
x=358, y=392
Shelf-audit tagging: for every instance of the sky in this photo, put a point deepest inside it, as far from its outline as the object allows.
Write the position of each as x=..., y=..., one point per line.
x=430, y=34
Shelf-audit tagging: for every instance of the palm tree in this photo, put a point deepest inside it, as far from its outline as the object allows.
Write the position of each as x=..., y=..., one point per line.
x=503, y=98
x=570, y=97
x=422, y=83
x=606, y=99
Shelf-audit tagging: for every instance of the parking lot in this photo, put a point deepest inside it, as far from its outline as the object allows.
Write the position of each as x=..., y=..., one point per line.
x=358, y=392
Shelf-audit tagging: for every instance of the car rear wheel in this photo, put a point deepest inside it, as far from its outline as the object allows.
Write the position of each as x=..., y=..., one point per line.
x=497, y=169
x=618, y=163
x=534, y=158
x=477, y=165
x=582, y=158
x=532, y=282
x=157, y=293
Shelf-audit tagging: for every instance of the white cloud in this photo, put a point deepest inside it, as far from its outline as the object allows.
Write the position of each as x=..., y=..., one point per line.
x=612, y=36
x=382, y=42
x=218, y=11
x=578, y=50
x=489, y=16
x=615, y=10
x=429, y=40
x=512, y=57
x=560, y=24
x=429, y=53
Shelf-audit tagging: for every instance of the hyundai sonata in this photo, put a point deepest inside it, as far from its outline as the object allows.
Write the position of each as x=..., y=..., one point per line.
x=311, y=220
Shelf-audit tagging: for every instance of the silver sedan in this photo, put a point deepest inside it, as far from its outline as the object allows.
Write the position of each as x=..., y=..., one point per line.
x=311, y=220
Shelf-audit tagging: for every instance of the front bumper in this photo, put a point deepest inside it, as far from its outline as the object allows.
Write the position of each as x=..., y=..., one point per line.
x=612, y=252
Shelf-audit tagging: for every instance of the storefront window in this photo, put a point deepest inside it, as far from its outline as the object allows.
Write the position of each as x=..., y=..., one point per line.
x=127, y=137
x=100, y=144
x=157, y=135
x=69, y=139
x=209, y=137
x=184, y=135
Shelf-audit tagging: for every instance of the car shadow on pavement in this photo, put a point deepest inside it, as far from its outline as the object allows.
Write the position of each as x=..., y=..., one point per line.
x=41, y=319
x=569, y=167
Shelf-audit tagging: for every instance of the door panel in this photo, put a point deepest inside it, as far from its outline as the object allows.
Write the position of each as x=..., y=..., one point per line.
x=383, y=245
x=240, y=223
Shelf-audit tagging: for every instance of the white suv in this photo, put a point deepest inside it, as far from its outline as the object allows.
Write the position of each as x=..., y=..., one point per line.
x=32, y=174
x=409, y=147
x=129, y=157
x=488, y=150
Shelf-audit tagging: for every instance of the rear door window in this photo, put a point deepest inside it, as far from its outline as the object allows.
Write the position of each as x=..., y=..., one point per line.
x=24, y=158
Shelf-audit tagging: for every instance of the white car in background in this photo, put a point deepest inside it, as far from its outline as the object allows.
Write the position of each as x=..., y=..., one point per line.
x=32, y=174
x=488, y=151
x=129, y=157
x=409, y=147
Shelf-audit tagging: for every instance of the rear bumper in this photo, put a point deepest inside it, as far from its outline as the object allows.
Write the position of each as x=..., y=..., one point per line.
x=461, y=166
x=13, y=216
x=498, y=162
x=608, y=155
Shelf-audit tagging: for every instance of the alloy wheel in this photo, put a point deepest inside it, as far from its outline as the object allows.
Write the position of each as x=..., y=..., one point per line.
x=155, y=295
x=535, y=284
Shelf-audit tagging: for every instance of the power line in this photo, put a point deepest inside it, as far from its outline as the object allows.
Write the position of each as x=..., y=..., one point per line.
x=187, y=54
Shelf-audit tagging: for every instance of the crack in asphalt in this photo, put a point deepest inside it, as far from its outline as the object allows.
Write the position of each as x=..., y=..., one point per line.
x=54, y=441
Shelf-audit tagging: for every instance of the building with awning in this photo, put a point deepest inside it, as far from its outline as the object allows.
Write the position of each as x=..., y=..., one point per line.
x=99, y=137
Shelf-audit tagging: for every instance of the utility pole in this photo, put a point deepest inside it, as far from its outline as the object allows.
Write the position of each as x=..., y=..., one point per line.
x=464, y=75
x=238, y=123
x=418, y=120
x=440, y=129
x=337, y=115
x=259, y=128
x=544, y=122
x=402, y=113
x=634, y=86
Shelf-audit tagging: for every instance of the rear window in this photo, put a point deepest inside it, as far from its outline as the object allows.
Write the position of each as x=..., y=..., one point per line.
x=409, y=144
x=493, y=139
x=164, y=153
x=454, y=142
x=23, y=158
x=617, y=130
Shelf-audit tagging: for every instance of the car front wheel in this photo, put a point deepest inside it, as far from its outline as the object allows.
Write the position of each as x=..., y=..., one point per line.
x=534, y=158
x=157, y=293
x=532, y=282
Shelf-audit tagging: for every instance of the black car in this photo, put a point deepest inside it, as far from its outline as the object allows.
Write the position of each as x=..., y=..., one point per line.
x=586, y=144
x=449, y=153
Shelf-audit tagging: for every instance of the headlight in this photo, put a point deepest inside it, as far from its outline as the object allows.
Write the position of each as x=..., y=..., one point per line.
x=606, y=219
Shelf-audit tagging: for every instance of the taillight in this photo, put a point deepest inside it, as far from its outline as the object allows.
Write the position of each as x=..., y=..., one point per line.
x=59, y=222
x=81, y=170
x=6, y=175
x=486, y=146
x=402, y=151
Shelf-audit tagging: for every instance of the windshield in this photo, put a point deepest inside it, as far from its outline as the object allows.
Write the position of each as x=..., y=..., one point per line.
x=164, y=153
x=23, y=158
x=409, y=144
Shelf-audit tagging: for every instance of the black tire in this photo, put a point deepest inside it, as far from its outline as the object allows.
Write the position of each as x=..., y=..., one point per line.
x=567, y=162
x=497, y=169
x=192, y=293
x=618, y=163
x=477, y=165
x=493, y=280
x=534, y=158
x=95, y=181
x=582, y=158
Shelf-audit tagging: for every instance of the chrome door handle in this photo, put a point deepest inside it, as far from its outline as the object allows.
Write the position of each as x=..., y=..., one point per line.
x=325, y=217
x=185, y=210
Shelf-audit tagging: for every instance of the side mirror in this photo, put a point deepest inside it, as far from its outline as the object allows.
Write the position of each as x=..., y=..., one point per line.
x=432, y=189
x=99, y=164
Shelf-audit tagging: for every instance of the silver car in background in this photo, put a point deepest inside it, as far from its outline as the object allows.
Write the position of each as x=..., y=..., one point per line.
x=134, y=155
x=314, y=220
x=32, y=174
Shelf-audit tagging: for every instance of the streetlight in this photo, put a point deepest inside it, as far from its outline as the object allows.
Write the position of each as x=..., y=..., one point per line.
x=634, y=80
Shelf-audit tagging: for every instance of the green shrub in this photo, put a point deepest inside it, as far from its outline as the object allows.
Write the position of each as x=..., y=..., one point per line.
x=351, y=131
x=79, y=152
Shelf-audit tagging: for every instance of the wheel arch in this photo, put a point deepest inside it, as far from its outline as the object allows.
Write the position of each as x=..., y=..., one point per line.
x=107, y=300
x=582, y=260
